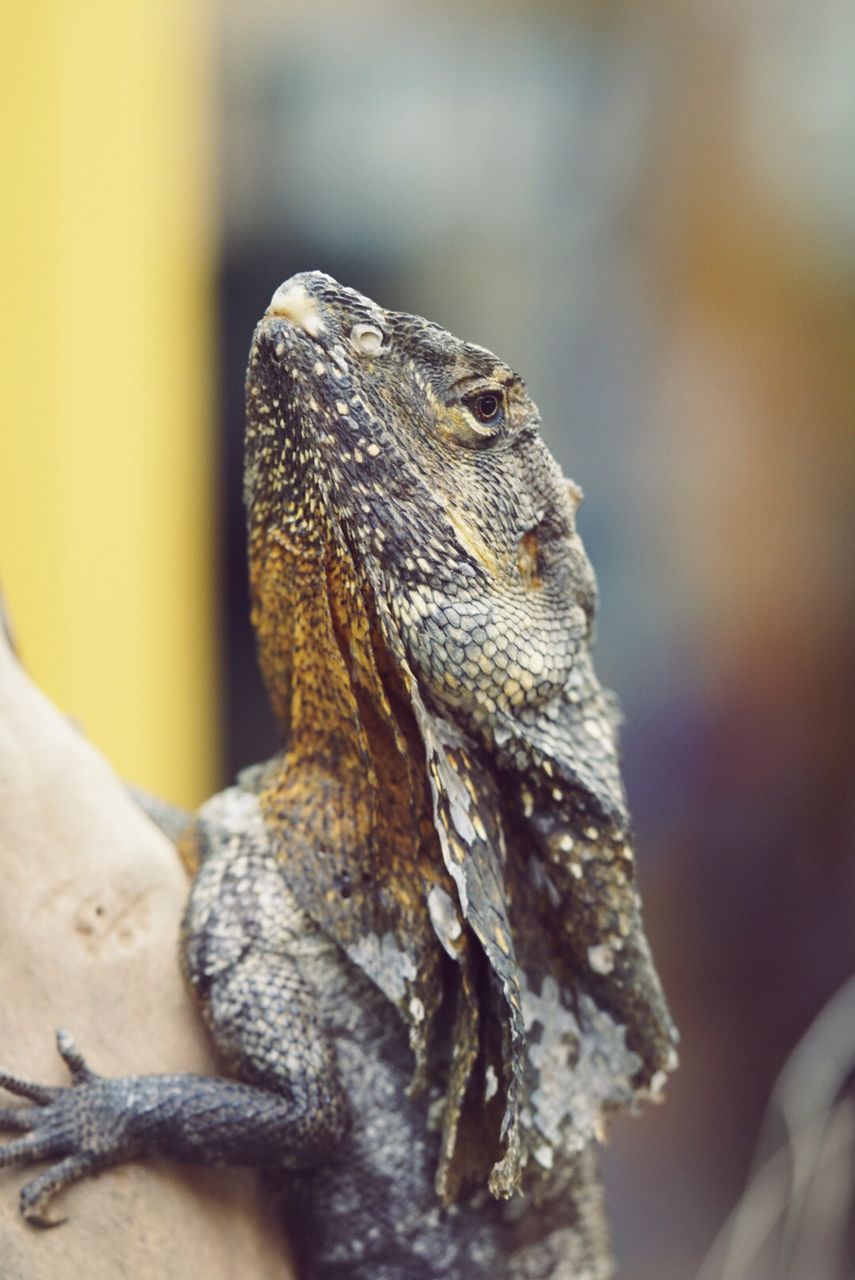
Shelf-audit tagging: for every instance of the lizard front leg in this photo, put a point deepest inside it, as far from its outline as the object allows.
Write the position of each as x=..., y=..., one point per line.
x=287, y=1111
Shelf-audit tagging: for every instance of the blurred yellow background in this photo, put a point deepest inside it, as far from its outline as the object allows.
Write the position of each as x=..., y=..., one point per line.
x=107, y=449
x=650, y=211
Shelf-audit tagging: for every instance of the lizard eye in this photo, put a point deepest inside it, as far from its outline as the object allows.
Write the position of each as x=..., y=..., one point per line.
x=367, y=339
x=488, y=407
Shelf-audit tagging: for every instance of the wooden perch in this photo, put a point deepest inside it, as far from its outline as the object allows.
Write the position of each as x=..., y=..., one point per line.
x=92, y=894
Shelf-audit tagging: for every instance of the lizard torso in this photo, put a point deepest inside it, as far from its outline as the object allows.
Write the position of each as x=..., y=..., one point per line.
x=369, y=1210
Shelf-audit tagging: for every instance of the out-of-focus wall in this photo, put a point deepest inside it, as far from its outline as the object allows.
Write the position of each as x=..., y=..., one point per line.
x=650, y=211
x=106, y=442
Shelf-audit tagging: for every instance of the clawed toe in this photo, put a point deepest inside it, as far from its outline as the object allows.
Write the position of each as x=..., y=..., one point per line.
x=38, y=1194
x=27, y=1088
x=78, y=1067
x=36, y=1211
x=79, y=1070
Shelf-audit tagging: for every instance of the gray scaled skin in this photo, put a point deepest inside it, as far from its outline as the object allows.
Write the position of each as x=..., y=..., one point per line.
x=415, y=934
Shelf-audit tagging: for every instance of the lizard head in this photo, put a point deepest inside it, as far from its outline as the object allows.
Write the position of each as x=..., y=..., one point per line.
x=425, y=452
x=420, y=593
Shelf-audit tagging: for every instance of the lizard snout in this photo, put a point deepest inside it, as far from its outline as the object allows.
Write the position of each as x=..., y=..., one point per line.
x=294, y=303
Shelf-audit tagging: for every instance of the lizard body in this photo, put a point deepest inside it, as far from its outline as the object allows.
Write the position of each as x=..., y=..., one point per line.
x=415, y=934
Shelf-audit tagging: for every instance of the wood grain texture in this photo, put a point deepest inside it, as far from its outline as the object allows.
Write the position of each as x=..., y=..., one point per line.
x=89, y=913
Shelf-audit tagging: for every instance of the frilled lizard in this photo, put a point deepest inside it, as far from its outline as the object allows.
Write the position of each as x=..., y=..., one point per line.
x=414, y=934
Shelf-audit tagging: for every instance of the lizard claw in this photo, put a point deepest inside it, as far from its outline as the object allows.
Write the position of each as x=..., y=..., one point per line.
x=37, y=1194
x=78, y=1068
